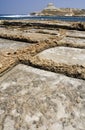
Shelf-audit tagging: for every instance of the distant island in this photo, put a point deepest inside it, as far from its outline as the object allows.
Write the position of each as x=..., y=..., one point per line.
x=51, y=10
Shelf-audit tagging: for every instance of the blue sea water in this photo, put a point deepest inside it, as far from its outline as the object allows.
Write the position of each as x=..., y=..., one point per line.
x=28, y=17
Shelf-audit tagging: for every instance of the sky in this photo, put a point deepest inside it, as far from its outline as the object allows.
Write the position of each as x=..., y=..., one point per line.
x=28, y=6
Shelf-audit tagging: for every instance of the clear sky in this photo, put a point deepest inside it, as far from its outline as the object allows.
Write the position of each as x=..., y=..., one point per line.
x=27, y=6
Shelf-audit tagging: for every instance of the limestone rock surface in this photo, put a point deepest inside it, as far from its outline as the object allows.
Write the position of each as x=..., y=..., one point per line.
x=63, y=59
x=35, y=99
x=10, y=45
x=66, y=55
x=42, y=75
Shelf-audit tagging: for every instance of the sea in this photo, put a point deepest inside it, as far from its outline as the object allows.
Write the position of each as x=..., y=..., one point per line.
x=28, y=17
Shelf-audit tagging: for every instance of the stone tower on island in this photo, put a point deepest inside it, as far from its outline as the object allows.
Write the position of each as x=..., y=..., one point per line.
x=50, y=6
x=52, y=10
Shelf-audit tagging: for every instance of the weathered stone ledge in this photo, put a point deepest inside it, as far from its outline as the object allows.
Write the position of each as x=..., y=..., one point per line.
x=6, y=63
x=72, y=26
x=26, y=54
x=74, y=71
x=69, y=61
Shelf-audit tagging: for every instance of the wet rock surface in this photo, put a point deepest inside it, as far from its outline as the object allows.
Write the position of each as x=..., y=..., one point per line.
x=32, y=98
x=35, y=99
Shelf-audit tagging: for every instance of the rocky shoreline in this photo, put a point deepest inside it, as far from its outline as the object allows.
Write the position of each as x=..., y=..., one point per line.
x=42, y=75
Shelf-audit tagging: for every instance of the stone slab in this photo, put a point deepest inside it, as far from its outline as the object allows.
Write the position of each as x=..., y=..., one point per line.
x=23, y=35
x=65, y=55
x=66, y=60
x=73, y=41
x=35, y=99
x=7, y=45
x=76, y=34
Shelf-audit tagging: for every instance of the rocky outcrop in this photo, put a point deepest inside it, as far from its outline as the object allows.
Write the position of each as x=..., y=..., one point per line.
x=51, y=10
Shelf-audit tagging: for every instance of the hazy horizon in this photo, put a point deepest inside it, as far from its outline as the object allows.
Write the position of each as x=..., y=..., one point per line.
x=26, y=7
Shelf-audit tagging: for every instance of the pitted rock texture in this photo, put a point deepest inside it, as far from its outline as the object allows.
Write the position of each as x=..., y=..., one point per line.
x=66, y=55
x=70, y=61
x=35, y=99
x=6, y=63
x=20, y=54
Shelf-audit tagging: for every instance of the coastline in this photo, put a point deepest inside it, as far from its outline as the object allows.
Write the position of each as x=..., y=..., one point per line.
x=44, y=18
